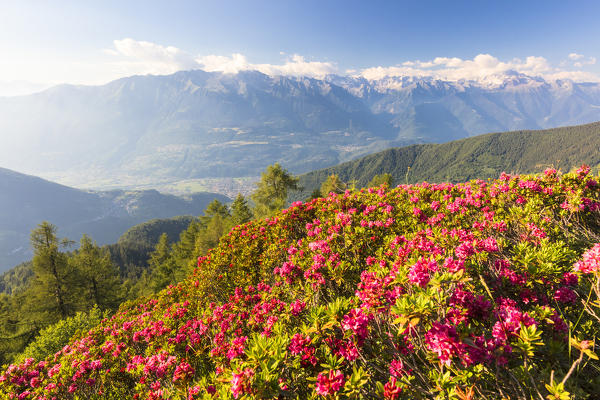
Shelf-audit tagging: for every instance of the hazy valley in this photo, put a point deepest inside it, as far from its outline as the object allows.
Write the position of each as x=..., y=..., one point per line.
x=152, y=131
x=25, y=201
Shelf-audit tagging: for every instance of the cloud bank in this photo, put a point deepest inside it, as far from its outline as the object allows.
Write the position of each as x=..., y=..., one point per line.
x=149, y=58
x=483, y=67
x=140, y=57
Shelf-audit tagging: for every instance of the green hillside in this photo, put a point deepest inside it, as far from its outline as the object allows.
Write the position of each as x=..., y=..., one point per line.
x=478, y=290
x=481, y=157
x=149, y=232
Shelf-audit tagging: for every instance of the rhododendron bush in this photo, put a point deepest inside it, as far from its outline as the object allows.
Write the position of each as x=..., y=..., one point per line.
x=460, y=291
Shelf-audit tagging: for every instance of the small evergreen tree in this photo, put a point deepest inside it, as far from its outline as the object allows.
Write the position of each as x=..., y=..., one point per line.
x=334, y=184
x=51, y=295
x=97, y=275
x=272, y=191
x=183, y=250
x=240, y=211
x=214, y=208
x=210, y=236
x=162, y=265
x=382, y=179
x=16, y=327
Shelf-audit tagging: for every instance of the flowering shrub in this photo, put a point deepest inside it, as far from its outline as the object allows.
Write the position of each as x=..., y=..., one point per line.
x=475, y=290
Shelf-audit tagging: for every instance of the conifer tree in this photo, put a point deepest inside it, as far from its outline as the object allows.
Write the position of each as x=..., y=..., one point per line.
x=334, y=184
x=272, y=191
x=183, y=250
x=240, y=211
x=98, y=277
x=51, y=294
x=382, y=179
x=16, y=328
x=209, y=237
x=162, y=265
x=214, y=208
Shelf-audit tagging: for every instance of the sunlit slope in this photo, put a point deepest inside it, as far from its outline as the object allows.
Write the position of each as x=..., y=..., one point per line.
x=402, y=293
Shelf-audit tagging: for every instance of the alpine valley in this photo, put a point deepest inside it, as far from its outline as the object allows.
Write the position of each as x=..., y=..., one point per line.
x=197, y=124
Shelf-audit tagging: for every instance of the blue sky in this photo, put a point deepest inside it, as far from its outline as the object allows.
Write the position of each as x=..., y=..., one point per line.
x=92, y=42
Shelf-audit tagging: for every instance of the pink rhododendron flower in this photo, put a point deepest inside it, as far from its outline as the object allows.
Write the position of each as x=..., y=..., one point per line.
x=391, y=390
x=565, y=295
x=240, y=383
x=419, y=272
x=357, y=321
x=329, y=383
x=590, y=261
x=443, y=340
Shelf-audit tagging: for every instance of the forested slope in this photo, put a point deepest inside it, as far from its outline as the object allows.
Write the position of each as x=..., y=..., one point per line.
x=482, y=157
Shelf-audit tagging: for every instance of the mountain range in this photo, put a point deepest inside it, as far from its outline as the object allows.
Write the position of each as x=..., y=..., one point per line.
x=197, y=124
x=25, y=201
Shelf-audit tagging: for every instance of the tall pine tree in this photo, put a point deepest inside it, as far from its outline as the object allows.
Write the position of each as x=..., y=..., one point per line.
x=97, y=276
x=162, y=264
x=51, y=296
x=272, y=191
x=240, y=211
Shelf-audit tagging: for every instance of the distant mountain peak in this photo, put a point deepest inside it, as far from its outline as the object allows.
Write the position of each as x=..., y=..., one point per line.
x=197, y=124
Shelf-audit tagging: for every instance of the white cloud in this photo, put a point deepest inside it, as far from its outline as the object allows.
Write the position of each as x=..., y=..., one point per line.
x=580, y=60
x=298, y=66
x=150, y=58
x=480, y=67
x=140, y=57
x=577, y=76
x=295, y=65
x=231, y=65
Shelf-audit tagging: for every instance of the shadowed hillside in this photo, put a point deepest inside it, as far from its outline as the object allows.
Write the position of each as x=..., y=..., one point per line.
x=25, y=201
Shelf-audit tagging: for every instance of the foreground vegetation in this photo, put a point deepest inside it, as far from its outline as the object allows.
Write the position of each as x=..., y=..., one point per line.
x=60, y=293
x=55, y=293
x=459, y=291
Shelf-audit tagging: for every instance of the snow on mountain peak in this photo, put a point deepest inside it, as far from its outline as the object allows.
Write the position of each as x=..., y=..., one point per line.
x=508, y=80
